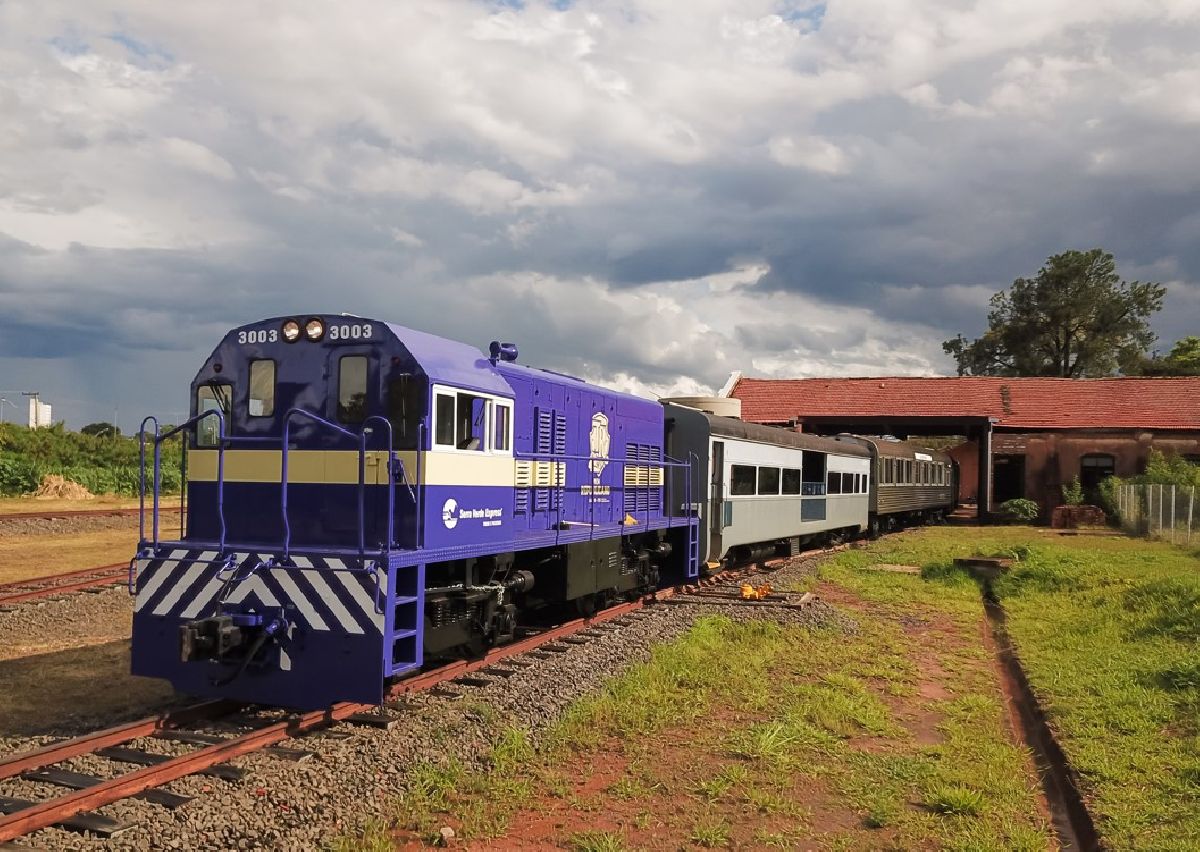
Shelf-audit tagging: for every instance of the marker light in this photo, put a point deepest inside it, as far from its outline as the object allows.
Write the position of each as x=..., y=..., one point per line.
x=291, y=331
x=314, y=329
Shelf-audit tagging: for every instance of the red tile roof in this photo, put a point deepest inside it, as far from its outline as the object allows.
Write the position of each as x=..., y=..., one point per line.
x=1026, y=403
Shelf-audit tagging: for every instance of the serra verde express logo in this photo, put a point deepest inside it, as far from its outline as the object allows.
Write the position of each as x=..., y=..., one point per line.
x=452, y=514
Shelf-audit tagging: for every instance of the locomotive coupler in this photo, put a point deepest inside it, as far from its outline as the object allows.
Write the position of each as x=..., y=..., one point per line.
x=230, y=637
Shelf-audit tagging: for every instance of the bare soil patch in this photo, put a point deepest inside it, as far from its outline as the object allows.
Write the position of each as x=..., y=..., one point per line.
x=74, y=690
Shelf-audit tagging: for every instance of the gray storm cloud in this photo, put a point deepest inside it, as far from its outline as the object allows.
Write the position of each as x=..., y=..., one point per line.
x=647, y=193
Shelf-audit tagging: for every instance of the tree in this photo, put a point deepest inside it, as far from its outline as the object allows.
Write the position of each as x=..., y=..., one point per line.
x=1182, y=360
x=101, y=430
x=1075, y=318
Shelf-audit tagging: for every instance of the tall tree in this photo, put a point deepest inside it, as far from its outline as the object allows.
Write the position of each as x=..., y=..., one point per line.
x=1182, y=360
x=1075, y=318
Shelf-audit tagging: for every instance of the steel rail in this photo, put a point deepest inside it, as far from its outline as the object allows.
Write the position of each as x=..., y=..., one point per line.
x=75, y=513
x=56, y=752
x=44, y=587
x=52, y=811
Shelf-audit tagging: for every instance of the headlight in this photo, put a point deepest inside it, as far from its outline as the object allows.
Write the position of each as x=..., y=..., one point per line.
x=291, y=331
x=314, y=329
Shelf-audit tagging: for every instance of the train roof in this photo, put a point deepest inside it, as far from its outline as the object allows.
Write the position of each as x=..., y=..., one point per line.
x=891, y=448
x=731, y=427
x=449, y=362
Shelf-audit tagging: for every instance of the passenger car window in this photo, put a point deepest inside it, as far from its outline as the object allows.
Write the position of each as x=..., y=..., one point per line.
x=444, y=420
x=352, y=389
x=212, y=397
x=743, y=479
x=768, y=480
x=261, y=401
x=835, y=483
x=793, y=481
x=847, y=483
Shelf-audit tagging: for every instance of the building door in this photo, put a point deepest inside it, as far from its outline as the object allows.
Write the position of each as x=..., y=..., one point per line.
x=1008, y=477
x=1094, y=468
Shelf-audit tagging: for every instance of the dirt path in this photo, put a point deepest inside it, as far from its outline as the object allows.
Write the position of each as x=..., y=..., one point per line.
x=881, y=740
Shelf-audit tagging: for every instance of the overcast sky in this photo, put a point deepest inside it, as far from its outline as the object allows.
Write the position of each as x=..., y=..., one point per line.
x=648, y=193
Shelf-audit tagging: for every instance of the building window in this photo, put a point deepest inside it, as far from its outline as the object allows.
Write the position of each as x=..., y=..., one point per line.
x=742, y=480
x=261, y=402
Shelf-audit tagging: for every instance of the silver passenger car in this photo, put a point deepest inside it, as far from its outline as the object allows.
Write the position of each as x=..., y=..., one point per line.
x=766, y=491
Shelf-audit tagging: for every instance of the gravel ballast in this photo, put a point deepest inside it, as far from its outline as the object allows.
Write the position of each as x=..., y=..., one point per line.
x=359, y=772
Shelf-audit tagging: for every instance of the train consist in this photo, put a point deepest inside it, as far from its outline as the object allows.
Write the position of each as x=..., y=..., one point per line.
x=363, y=499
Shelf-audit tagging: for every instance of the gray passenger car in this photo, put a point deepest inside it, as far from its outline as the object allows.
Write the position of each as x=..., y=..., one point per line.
x=764, y=491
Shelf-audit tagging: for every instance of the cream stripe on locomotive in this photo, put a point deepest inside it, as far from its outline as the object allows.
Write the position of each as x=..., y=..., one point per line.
x=643, y=475
x=318, y=591
x=340, y=467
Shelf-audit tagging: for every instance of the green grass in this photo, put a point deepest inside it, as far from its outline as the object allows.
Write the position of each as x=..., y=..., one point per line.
x=809, y=711
x=1107, y=631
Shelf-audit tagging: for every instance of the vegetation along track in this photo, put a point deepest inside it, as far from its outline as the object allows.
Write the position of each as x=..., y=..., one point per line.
x=58, y=584
x=91, y=792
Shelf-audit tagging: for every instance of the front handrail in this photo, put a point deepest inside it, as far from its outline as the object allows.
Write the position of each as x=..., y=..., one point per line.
x=158, y=442
x=362, y=456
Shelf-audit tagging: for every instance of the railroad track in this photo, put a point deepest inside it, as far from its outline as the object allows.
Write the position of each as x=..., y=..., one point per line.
x=48, y=515
x=57, y=584
x=73, y=810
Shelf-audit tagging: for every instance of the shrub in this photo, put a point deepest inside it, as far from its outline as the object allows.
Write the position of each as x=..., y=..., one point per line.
x=1072, y=493
x=1018, y=511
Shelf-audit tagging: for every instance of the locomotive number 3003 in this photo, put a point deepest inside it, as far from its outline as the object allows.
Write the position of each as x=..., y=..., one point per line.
x=354, y=331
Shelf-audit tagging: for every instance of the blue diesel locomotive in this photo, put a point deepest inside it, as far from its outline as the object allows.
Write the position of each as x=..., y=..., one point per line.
x=363, y=498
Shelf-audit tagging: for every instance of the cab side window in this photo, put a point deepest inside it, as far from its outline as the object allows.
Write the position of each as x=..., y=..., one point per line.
x=213, y=397
x=406, y=402
x=261, y=401
x=352, y=389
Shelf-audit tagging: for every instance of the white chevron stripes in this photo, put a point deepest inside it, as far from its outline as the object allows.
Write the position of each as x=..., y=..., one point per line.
x=187, y=584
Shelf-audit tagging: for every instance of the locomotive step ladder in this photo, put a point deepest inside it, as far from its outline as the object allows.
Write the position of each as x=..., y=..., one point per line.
x=406, y=605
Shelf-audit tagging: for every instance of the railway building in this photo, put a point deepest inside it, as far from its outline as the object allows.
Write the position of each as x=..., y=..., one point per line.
x=1020, y=437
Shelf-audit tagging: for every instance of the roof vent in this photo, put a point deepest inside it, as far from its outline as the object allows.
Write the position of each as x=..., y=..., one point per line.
x=503, y=351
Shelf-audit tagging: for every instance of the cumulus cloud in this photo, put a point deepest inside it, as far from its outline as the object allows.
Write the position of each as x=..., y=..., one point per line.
x=645, y=192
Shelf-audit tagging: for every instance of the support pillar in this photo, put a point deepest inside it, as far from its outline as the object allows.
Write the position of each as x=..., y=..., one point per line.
x=984, y=492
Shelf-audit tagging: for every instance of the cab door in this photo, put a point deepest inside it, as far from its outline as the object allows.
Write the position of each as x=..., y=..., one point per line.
x=355, y=396
x=717, y=495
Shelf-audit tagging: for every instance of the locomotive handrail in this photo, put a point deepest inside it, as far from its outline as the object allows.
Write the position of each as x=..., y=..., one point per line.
x=158, y=441
x=361, y=437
